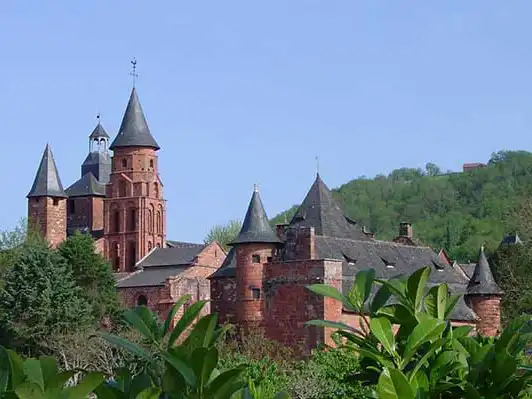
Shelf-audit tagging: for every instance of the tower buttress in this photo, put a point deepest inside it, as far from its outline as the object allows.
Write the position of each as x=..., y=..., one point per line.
x=134, y=210
x=255, y=246
x=47, y=201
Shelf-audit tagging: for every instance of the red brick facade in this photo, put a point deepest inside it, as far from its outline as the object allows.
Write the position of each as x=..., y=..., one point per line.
x=487, y=308
x=85, y=212
x=134, y=210
x=49, y=216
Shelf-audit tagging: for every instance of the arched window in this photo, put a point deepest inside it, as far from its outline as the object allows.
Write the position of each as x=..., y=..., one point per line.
x=115, y=256
x=150, y=221
x=115, y=224
x=149, y=246
x=159, y=223
x=142, y=300
x=131, y=255
x=132, y=219
x=122, y=188
x=155, y=190
x=124, y=163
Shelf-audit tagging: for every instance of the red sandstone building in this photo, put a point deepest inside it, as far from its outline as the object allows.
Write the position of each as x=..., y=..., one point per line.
x=261, y=282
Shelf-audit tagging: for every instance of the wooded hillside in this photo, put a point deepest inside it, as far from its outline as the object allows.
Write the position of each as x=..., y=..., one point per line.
x=455, y=211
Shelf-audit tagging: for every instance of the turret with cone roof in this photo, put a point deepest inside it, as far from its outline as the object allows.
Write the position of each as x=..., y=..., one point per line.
x=483, y=295
x=47, y=201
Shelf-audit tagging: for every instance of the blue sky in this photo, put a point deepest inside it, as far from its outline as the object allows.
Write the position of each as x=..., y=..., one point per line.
x=243, y=92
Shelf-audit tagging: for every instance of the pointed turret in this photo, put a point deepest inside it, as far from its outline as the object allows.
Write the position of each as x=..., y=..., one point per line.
x=320, y=210
x=256, y=228
x=134, y=131
x=98, y=133
x=482, y=282
x=47, y=182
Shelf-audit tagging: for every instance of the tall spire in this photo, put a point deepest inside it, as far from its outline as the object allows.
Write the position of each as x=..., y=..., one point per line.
x=134, y=130
x=482, y=281
x=256, y=228
x=47, y=182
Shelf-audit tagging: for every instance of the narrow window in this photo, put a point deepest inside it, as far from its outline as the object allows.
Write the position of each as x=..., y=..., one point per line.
x=255, y=258
x=56, y=201
x=159, y=223
x=155, y=190
x=124, y=163
x=151, y=163
x=132, y=255
x=132, y=220
x=116, y=221
x=71, y=206
x=150, y=221
x=122, y=188
x=142, y=301
x=149, y=246
x=269, y=259
x=256, y=293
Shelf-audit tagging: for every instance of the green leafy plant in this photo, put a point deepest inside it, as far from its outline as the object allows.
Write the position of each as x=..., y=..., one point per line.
x=181, y=370
x=425, y=357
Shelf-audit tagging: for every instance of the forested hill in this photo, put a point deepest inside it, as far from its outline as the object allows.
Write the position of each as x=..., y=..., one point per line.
x=455, y=211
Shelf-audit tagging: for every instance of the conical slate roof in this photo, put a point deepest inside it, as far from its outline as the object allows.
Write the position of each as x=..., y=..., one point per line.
x=256, y=228
x=482, y=281
x=98, y=133
x=320, y=210
x=134, y=131
x=47, y=182
x=87, y=186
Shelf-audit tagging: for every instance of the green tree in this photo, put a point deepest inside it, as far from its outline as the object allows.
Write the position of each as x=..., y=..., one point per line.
x=432, y=169
x=92, y=273
x=224, y=234
x=40, y=298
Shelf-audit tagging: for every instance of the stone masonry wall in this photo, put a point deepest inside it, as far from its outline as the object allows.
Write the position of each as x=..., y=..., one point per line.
x=488, y=310
x=223, y=298
x=49, y=215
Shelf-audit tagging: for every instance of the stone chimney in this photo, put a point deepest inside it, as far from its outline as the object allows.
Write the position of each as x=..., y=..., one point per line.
x=405, y=230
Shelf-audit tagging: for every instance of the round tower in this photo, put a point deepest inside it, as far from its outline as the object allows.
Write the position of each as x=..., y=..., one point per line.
x=255, y=246
x=484, y=296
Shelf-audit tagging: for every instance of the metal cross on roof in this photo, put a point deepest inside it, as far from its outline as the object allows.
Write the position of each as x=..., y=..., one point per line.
x=133, y=72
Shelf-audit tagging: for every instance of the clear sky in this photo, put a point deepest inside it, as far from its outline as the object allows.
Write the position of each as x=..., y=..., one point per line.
x=243, y=92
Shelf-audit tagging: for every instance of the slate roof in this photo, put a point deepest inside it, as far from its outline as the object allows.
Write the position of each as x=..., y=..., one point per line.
x=228, y=267
x=320, y=210
x=98, y=133
x=96, y=157
x=153, y=277
x=171, y=256
x=134, y=130
x=87, y=186
x=482, y=282
x=511, y=239
x=47, y=182
x=256, y=227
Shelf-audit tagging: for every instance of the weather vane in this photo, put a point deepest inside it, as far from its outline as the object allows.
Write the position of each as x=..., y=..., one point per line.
x=317, y=165
x=134, y=70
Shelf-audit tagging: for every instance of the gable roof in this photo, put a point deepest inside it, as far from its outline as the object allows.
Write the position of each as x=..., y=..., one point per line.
x=256, y=227
x=134, y=130
x=171, y=256
x=86, y=186
x=47, y=182
x=482, y=282
x=320, y=210
x=152, y=277
x=228, y=267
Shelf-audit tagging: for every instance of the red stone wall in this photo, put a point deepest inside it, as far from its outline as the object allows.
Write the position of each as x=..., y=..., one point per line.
x=289, y=304
x=223, y=298
x=133, y=186
x=49, y=216
x=300, y=244
x=488, y=310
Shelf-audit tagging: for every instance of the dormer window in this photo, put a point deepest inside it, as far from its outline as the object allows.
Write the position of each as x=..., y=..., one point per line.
x=350, y=261
x=255, y=258
x=389, y=264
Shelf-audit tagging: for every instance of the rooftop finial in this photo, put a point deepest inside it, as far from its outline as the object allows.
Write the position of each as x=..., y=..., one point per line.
x=317, y=165
x=256, y=188
x=133, y=72
x=98, y=115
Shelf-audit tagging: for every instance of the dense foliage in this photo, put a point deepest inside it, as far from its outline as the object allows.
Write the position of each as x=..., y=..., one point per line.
x=455, y=211
x=224, y=234
x=426, y=357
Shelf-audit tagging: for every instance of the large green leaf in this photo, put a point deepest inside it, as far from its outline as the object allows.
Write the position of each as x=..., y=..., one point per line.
x=397, y=286
x=394, y=385
x=29, y=390
x=126, y=345
x=380, y=298
x=397, y=314
x=33, y=372
x=336, y=325
x=50, y=372
x=331, y=292
x=415, y=287
x=87, y=386
x=362, y=287
x=451, y=304
x=185, y=321
x=5, y=370
x=203, y=362
x=202, y=335
x=227, y=383
x=428, y=329
x=149, y=393
x=180, y=366
x=17, y=368
x=142, y=319
x=171, y=314
x=381, y=328
x=436, y=301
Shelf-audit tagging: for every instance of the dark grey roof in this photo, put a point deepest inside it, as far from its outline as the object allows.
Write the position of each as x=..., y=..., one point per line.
x=482, y=282
x=511, y=239
x=320, y=210
x=391, y=260
x=47, y=182
x=468, y=268
x=87, y=186
x=256, y=228
x=151, y=277
x=228, y=268
x=98, y=133
x=172, y=256
x=134, y=131
x=99, y=164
